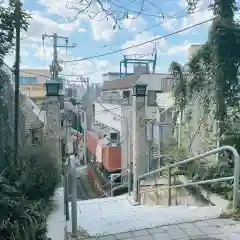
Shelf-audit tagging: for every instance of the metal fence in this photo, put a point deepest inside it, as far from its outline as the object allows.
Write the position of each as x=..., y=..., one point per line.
x=7, y=113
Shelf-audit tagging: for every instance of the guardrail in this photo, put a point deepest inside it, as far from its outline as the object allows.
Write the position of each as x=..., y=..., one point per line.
x=70, y=171
x=235, y=177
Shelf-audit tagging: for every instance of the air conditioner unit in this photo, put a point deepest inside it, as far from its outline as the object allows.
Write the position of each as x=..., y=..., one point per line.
x=113, y=138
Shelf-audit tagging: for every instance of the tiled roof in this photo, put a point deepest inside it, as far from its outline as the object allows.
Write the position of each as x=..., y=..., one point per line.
x=122, y=83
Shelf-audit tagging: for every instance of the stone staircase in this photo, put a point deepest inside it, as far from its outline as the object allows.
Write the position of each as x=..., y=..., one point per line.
x=155, y=193
x=119, y=215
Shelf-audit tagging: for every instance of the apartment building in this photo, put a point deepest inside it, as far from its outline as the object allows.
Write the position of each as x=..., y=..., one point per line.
x=32, y=84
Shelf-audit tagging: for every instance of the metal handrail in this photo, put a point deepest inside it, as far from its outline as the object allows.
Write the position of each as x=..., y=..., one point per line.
x=71, y=170
x=118, y=187
x=235, y=177
x=113, y=178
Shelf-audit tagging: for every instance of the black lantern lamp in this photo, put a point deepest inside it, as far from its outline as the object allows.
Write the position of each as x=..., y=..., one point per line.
x=139, y=89
x=52, y=88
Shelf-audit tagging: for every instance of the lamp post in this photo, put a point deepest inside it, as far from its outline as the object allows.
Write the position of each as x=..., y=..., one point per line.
x=53, y=116
x=140, y=145
x=52, y=88
x=139, y=89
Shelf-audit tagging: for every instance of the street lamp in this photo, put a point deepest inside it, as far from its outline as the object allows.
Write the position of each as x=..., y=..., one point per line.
x=52, y=88
x=139, y=89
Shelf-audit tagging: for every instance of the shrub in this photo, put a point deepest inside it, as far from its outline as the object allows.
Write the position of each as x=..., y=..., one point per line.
x=25, y=194
x=41, y=173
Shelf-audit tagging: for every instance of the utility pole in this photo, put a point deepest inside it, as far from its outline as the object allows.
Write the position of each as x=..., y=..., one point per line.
x=55, y=67
x=53, y=101
x=17, y=69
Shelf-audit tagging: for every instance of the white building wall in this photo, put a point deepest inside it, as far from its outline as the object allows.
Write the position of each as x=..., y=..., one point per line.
x=110, y=114
x=108, y=95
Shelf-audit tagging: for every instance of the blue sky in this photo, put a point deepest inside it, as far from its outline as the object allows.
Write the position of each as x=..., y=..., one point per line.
x=96, y=36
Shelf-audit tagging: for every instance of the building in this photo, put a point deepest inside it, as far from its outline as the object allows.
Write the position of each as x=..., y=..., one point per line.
x=110, y=76
x=193, y=49
x=32, y=83
x=113, y=109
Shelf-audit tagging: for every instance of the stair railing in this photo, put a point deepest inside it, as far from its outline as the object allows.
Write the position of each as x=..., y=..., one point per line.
x=112, y=181
x=235, y=176
x=70, y=171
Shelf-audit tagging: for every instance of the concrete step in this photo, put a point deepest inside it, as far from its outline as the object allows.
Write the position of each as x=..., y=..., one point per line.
x=119, y=214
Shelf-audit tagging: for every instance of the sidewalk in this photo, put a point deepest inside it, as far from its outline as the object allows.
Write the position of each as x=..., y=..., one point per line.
x=213, y=229
x=56, y=222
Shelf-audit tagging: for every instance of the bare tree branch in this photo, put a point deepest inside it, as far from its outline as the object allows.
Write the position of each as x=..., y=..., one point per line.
x=108, y=10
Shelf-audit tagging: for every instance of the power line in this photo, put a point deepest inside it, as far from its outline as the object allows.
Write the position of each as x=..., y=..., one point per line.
x=64, y=75
x=143, y=43
x=169, y=17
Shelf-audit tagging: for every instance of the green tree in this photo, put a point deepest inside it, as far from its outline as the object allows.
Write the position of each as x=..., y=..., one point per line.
x=214, y=74
x=223, y=46
x=7, y=25
x=180, y=88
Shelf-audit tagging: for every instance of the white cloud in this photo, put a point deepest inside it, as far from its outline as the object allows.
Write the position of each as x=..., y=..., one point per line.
x=178, y=49
x=101, y=25
x=59, y=8
x=170, y=24
x=102, y=29
x=201, y=14
x=92, y=69
x=182, y=3
x=102, y=64
x=40, y=24
x=134, y=24
x=146, y=48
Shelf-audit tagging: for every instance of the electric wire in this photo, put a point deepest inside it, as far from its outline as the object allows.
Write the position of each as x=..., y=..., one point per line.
x=143, y=43
x=151, y=27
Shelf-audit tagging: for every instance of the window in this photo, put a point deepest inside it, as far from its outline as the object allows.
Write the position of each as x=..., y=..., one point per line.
x=126, y=97
x=152, y=97
x=93, y=107
x=162, y=113
x=28, y=80
x=126, y=94
x=21, y=80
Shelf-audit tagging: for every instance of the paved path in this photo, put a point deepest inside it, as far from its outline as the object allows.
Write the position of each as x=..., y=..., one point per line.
x=213, y=229
x=56, y=221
